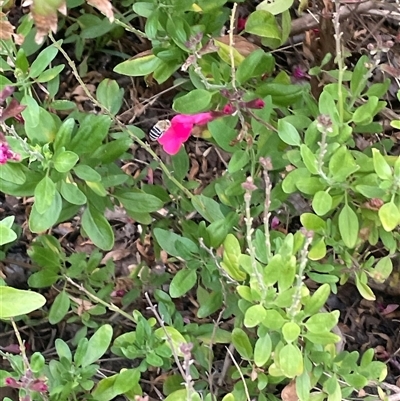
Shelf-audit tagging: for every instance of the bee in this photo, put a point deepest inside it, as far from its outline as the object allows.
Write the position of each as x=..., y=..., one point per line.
x=158, y=129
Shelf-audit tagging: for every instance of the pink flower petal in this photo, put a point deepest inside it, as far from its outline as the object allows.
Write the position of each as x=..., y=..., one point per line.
x=199, y=118
x=175, y=136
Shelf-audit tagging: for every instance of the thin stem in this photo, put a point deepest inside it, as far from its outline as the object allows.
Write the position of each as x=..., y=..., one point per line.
x=231, y=43
x=267, y=214
x=339, y=60
x=256, y=274
x=110, y=306
x=246, y=390
x=300, y=276
x=161, y=323
x=21, y=345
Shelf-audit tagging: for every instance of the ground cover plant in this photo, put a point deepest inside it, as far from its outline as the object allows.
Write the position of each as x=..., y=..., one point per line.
x=199, y=200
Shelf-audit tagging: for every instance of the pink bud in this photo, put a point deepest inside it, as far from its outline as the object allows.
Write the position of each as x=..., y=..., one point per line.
x=11, y=382
x=6, y=92
x=275, y=223
x=255, y=104
x=38, y=385
x=228, y=109
x=241, y=24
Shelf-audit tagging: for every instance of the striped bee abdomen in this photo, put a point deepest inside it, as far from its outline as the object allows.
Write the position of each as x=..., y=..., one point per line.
x=158, y=129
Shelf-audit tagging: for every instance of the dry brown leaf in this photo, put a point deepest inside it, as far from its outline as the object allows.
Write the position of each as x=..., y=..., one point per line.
x=115, y=255
x=104, y=6
x=45, y=16
x=83, y=305
x=242, y=45
x=6, y=30
x=289, y=392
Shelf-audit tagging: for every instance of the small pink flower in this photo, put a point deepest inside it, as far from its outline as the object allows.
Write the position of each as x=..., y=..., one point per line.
x=299, y=74
x=241, y=24
x=182, y=125
x=254, y=104
x=11, y=382
x=38, y=385
x=7, y=154
x=275, y=223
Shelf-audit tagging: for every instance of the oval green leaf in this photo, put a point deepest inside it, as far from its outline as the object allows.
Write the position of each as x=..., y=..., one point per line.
x=18, y=302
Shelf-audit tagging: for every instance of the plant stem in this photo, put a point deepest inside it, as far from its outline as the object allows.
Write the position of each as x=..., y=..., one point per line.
x=339, y=60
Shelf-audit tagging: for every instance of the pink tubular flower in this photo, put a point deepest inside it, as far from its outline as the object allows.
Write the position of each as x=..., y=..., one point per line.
x=299, y=74
x=7, y=154
x=182, y=125
x=11, y=382
x=38, y=385
x=241, y=24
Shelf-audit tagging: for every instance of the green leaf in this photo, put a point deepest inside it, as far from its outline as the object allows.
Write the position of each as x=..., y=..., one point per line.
x=389, y=215
x=208, y=208
x=322, y=322
x=365, y=113
x=195, y=101
x=317, y=250
x=44, y=194
x=39, y=222
x=312, y=222
x=168, y=239
x=211, y=304
x=110, y=387
x=359, y=76
x=303, y=386
x=288, y=133
x=98, y=344
x=262, y=350
x=381, y=166
x=231, y=255
x=171, y=334
x=263, y=23
x=72, y=194
x=65, y=161
x=180, y=395
x=317, y=300
x=6, y=234
x=275, y=7
x=92, y=131
x=50, y=74
x=291, y=360
x=138, y=67
x=249, y=67
x=59, y=308
x=242, y=343
x=291, y=331
x=40, y=127
x=110, y=95
x=254, y=316
x=309, y=159
x=139, y=202
x=64, y=133
x=42, y=61
x=87, y=173
x=12, y=172
x=348, y=226
x=18, y=302
x=98, y=229
x=182, y=282
x=342, y=164
x=239, y=159
x=322, y=203
x=180, y=164
x=382, y=270
x=63, y=350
